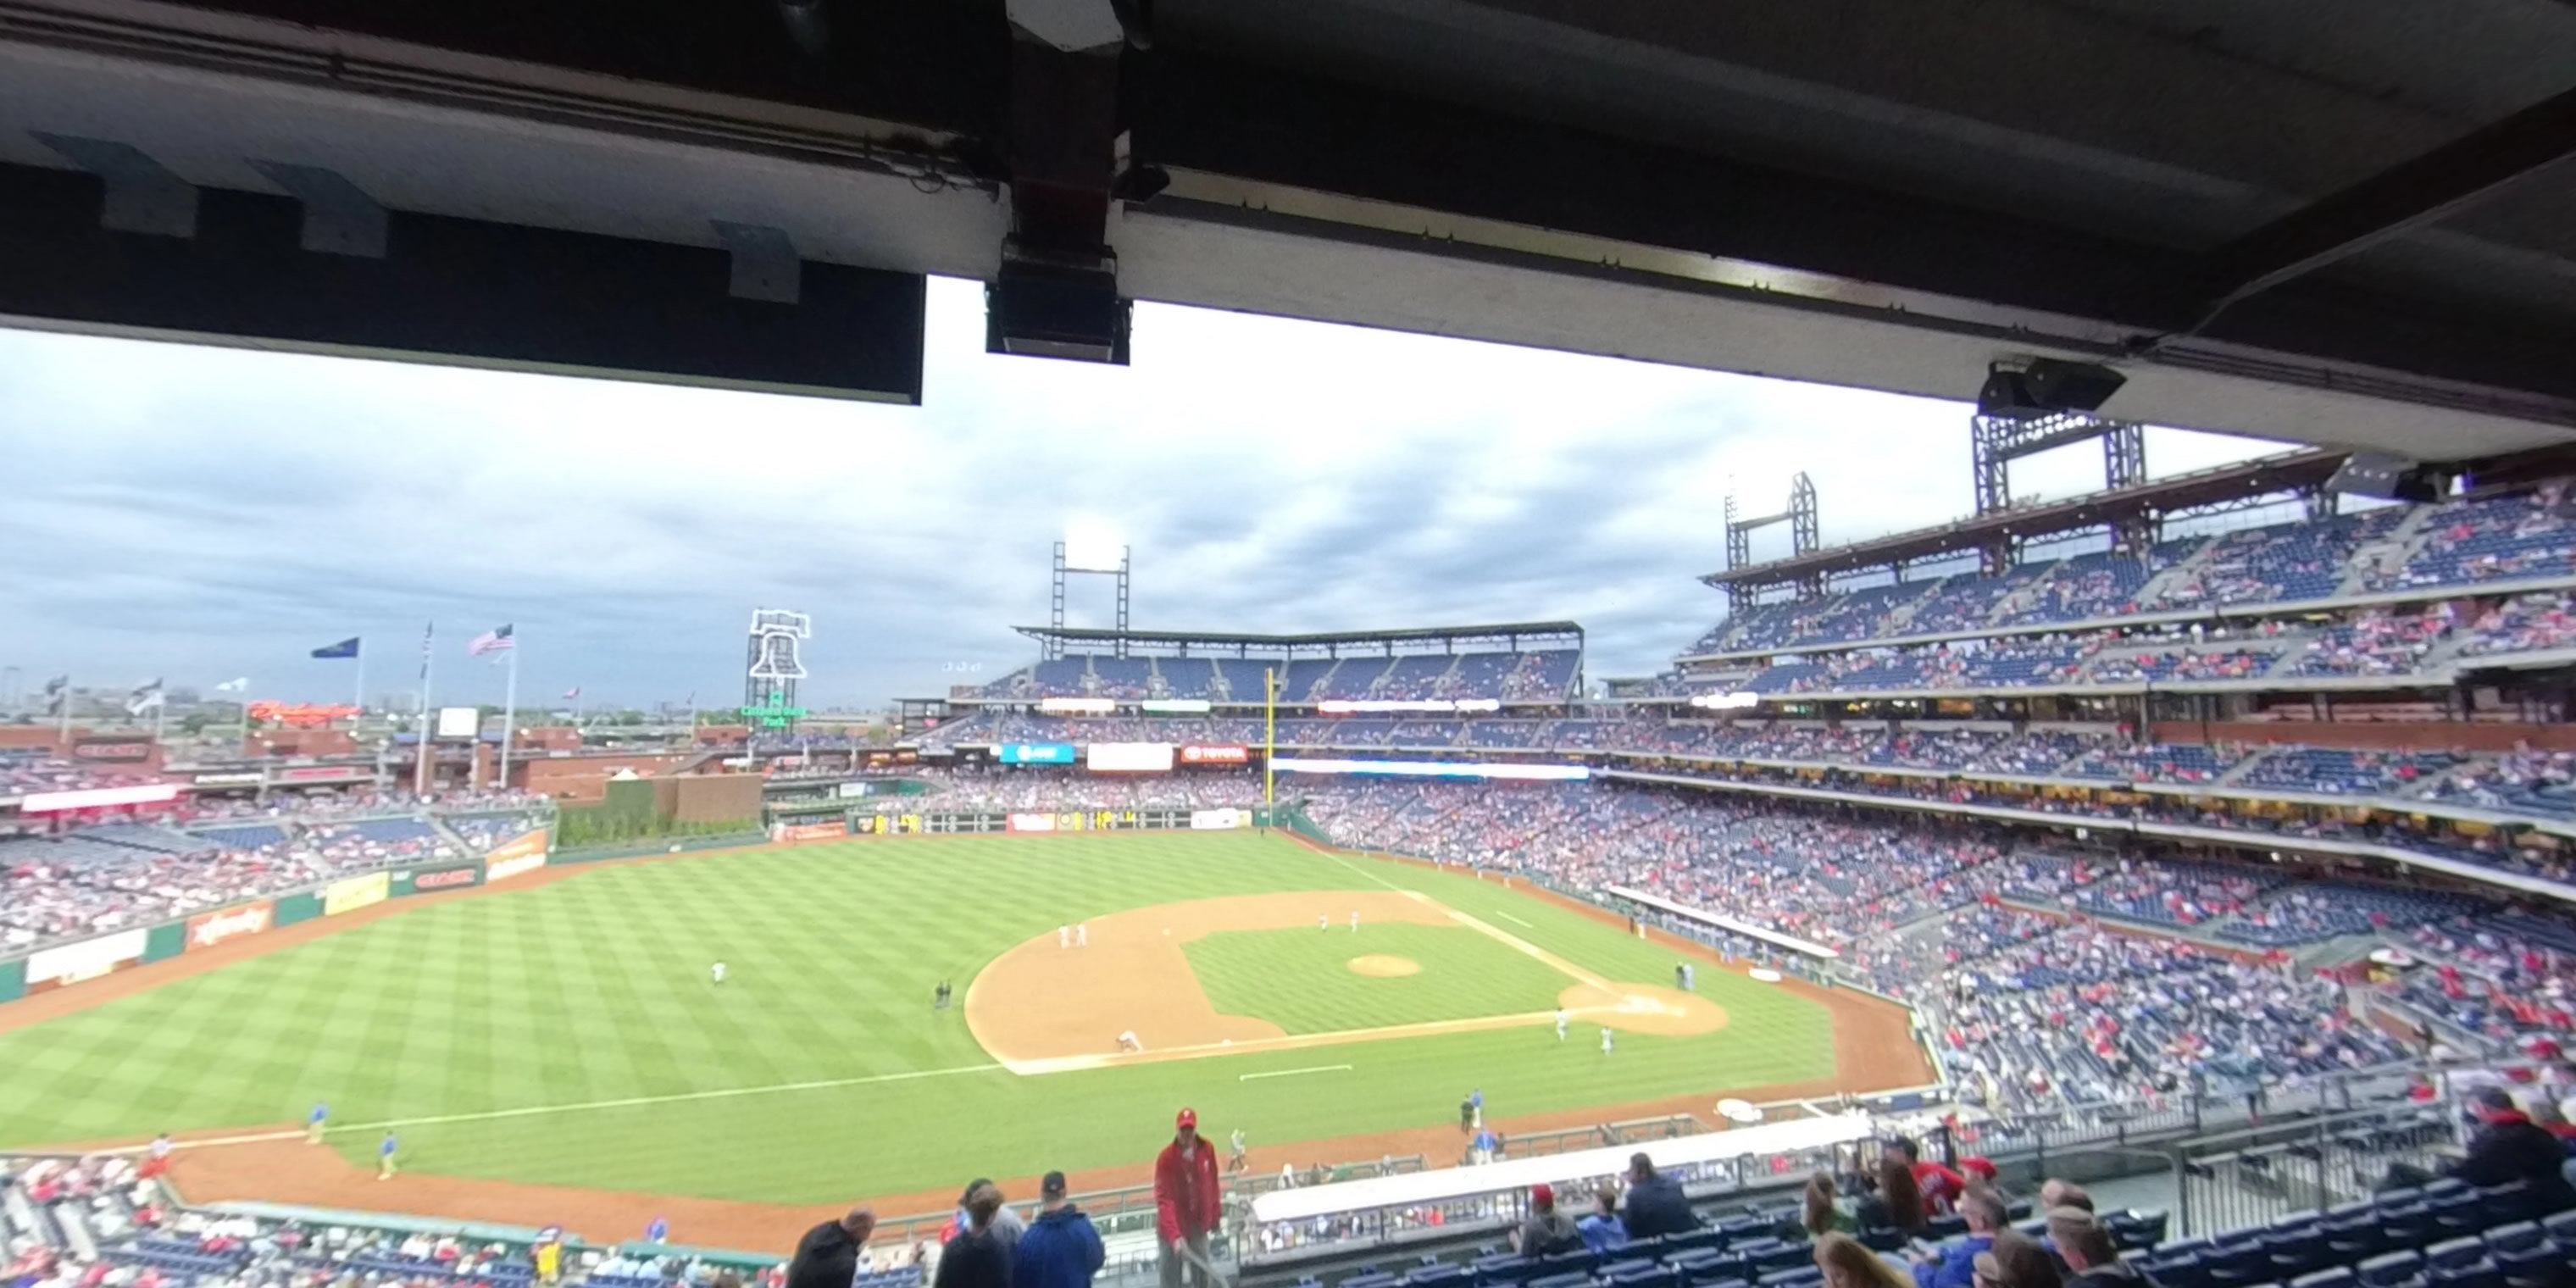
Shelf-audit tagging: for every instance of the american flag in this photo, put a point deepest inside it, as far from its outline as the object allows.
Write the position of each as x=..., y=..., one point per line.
x=496, y=640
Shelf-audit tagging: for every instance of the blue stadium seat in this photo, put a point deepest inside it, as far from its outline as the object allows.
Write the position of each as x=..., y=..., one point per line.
x=1558, y=1263
x=2338, y=1277
x=1789, y=1277
x=1701, y=1238
x=2295, y=1252
x=1651, y=1274
x=1695, y=1264
x=1626, y=1263
x=2481, y=1273
x=2352, y=1238
x=2239, y=1265
x=2391, y=1270
x=2452, y=1254
x=2511, y=1201
x=2561, y=1227
x=1436, y=1276
x=2177, y=1270
x=2514, y=1237
x=1504, y=1268
x=2538, y=1265
x=1577, y=1280
x=2458, y=1212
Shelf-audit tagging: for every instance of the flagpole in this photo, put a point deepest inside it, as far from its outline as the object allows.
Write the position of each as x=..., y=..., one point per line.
x=509, y=714
x=63, y=731
x=360, y=653
x=420, y=765
x=242, y=696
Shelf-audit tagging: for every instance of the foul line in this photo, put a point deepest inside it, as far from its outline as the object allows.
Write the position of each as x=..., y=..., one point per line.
x=627, y=1102
x=1514, y=920
x=1290, y=1073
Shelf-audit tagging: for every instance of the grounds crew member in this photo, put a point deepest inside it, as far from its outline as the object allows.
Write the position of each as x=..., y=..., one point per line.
x=1186, y=1202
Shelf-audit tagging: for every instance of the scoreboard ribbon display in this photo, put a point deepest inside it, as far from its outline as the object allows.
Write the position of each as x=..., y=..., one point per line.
x=1034, y=753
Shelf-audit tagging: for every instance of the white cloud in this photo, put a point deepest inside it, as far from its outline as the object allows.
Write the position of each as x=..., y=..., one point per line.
x=213, y=512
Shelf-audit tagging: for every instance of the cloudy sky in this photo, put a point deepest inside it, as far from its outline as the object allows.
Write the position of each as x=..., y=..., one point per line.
x=203, y=513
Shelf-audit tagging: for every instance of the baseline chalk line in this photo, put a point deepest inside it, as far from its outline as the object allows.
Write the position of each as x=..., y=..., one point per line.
x=1514, y=920
x=1290, y=1073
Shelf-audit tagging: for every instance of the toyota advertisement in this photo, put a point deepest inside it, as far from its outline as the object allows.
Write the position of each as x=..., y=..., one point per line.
x=1217, y=755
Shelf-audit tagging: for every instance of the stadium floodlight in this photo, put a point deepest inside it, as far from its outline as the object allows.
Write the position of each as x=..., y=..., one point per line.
x=2045, y=387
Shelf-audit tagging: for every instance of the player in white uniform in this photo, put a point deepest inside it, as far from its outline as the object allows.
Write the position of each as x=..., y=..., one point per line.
x=1127, y=1041
x=1064, y=936
x=716, y=972
x=1082, y=934
x=1355, y=921
x=1323, y=921
x=1605, y=1041
x=1560, y=1024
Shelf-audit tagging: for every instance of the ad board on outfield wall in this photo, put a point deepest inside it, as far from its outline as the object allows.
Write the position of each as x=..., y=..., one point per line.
x=1034, y=753
x=1129, y=757
x=88, y=959
x=207, y=929
x=1216, y=754
x=356, y=892
x=525, y=852
x=1210, y=820
x=432, y=880
x=831, y=831
x=1032, y=822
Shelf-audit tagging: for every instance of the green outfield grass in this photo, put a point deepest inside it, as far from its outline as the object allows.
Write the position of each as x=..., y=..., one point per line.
x=1301, y=980
x=569, y=1034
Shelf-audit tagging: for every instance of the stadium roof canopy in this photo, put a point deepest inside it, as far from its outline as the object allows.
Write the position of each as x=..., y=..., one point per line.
x=1240, y=640
x=1884, y=193
x=2200, y=489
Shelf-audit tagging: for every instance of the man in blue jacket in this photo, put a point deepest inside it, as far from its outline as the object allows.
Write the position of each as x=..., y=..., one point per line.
x=1060, y=1249
x=1957, y=1267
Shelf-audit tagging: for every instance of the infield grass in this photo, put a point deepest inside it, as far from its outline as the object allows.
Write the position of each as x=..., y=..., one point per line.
x=569, y=1033
x=1302, y=981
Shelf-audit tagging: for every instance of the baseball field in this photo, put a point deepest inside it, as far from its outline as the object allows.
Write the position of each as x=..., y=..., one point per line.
x=559, y=1051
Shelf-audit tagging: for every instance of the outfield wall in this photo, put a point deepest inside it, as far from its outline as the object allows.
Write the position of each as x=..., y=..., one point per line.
x=69, y=965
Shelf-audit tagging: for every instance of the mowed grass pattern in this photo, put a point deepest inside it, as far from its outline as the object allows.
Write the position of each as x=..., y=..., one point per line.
x=1301, y=979
x=595, y=989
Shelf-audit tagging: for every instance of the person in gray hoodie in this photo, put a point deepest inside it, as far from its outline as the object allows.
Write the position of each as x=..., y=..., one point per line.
x=1547, y=1230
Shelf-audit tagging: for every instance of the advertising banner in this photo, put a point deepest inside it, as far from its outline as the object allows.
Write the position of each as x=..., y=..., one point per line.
x=356, y=892
x=88, y=959
x=1177, y=706
x=1032, y=822
x=833, y=830
x=1209, y=820
x=104, y=797
x=246, y=778
x=456, y=878
x=523, y=853
x=1034, y=753
x=207, y=929
x=1077, y=706
x=114, y=749
x=1217, y=755
x=1130, y=757
x=854, y=789
x=321, y=773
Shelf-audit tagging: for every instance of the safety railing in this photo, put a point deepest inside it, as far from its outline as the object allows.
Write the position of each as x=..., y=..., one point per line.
x=2261, y=1174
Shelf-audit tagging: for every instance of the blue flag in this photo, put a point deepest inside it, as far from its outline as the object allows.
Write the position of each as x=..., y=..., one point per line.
x=345, y=648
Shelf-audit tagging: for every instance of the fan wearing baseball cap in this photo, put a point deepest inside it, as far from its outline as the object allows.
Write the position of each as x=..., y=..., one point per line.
x=1547, y=1231
x=1186, y=1202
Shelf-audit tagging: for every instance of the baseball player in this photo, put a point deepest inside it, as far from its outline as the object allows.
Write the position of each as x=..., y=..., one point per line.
x=657, y=1231
x=1082, y=934
x=1127, y=1041
x=1323, y=921
x=1560, y=1024
x=385, y=1157
x=1605, y=1041
x=313, y=1123
x=1064, y=936
x=1355, y=921
x=1239, y=1159
x=716, y=972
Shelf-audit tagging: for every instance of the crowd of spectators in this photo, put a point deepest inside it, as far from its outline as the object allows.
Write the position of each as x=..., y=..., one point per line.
x=2491, y=539
x=1545, y=675
x=2505, y=976
x=966, y=791
x=117, y=876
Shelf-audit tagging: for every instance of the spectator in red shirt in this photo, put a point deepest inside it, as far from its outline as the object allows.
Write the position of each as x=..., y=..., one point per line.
x=1186, y=1202
x=1941, y=1185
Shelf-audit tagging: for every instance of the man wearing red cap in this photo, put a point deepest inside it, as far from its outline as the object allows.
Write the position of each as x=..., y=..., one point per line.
x=1186, y=1202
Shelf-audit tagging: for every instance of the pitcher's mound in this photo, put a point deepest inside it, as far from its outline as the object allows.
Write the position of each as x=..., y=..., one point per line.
x=1384, y=967
x=1644, y=1008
